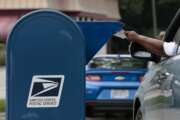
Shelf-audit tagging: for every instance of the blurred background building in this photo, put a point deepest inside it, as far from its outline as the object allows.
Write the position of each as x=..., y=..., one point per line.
x=137, y=14
x=80, y=10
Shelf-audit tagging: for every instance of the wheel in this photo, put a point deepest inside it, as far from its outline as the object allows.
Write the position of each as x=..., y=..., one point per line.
x=139, y=115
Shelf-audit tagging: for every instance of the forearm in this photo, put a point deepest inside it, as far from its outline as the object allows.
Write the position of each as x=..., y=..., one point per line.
x=153, y=45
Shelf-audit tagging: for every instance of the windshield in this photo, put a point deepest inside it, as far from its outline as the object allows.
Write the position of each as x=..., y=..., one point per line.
x=117, y=63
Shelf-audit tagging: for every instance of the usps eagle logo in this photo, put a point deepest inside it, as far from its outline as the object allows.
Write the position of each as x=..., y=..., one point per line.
x=45, y=91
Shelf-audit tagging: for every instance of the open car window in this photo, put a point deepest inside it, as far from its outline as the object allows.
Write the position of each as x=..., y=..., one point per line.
x=177, y=37
x=173, y=33
x=177, y=41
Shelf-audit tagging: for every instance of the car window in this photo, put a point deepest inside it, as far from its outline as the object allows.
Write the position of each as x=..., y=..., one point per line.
x=173, y=33
x=177, y=41
x=177, y=36
x=117, y=63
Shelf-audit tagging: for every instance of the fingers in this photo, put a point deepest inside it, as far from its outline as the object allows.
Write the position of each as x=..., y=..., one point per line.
x=130, y=32
x=131, y=35
x=126, y=32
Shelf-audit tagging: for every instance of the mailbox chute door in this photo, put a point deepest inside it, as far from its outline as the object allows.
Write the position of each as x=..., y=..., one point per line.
x=97, y=34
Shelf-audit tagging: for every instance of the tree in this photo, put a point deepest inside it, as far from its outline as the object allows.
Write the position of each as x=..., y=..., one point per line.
x=137, y=14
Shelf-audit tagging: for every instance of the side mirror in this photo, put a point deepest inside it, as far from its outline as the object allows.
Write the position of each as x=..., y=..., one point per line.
x=139, y=52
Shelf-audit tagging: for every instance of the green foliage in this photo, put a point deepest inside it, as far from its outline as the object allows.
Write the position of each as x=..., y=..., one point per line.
x=135, y=6
x=168, y=1
x=137, y=14
x=2, y=105
x=2, y=54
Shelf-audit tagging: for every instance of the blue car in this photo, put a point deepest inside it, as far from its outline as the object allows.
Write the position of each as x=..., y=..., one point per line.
x=111, y=84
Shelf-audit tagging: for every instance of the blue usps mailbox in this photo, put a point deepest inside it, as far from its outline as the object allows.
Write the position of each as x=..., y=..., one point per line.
x=46, y=56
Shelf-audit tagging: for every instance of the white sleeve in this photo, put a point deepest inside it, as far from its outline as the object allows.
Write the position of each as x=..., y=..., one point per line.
x=170, y=48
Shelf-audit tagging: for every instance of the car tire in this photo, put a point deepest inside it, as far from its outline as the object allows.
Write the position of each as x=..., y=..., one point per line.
x=139, y=115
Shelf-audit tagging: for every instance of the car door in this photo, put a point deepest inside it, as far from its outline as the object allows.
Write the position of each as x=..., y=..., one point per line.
x=158, y=94
x=162, y=88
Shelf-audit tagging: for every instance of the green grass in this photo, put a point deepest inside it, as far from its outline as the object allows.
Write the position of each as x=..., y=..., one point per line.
x=2, y=105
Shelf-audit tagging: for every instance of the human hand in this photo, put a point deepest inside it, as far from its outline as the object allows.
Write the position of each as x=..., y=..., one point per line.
x=131, y=35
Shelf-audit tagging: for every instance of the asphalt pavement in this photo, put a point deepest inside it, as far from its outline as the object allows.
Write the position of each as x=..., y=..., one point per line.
x=2, y=116
x=2, y=88
x=2, y=83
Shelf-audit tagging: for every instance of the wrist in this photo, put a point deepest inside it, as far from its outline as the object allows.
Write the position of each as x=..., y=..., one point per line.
x=136, y=38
